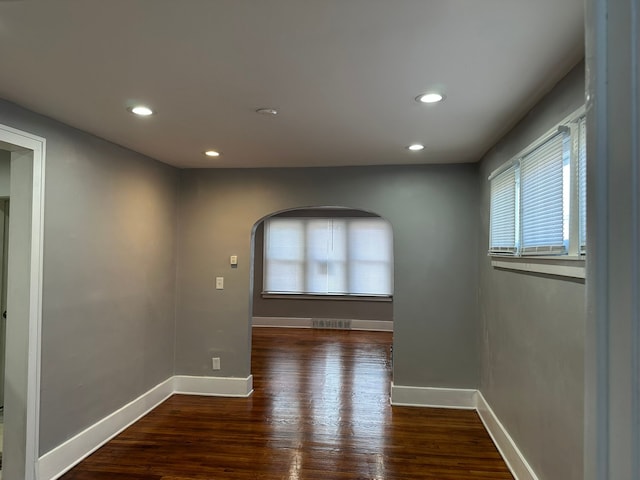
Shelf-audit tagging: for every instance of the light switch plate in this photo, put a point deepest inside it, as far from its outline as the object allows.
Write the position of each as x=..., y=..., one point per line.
x=219, y=283
x=233, y=260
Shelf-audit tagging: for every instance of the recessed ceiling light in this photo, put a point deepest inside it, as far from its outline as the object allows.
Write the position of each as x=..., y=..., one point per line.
x=431, y=97
x=267, y=111
x=212, y=153
x=416, y=147
x=141, y=110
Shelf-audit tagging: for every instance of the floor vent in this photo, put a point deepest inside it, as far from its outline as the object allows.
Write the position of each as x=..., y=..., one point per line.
x=334, y=323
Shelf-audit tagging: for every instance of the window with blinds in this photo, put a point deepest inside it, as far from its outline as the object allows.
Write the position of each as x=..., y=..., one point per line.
x=503, y=213
x=328, y=256
x=536, y=206
x=542, y=197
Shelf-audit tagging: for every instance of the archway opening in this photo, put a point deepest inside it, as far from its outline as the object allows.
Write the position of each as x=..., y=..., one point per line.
x=323, y=268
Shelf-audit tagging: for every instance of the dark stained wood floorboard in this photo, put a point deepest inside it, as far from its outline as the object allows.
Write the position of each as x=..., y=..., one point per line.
x=320, y=410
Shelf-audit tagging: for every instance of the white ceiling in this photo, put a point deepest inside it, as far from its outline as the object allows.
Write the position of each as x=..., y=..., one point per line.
x=343, y=74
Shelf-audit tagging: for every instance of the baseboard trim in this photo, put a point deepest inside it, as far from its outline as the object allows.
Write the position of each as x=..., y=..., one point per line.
x=302, y=322
x=56, y=462
x=468, y=399
x=61, y=459
x=213, y=386
x=433, y=397
x=510, y=452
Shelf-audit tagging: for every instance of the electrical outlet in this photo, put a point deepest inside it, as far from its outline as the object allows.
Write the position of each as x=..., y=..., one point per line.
x=219, y=283
x=215, y=363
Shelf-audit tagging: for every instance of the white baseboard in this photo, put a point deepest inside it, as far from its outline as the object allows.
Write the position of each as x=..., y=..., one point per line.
x=510, y=452
x=59, y=460
x=469, y=400
x=301, y=322
x=56, y=462
x=283, y=322
x=213, y=386
x=433, y=397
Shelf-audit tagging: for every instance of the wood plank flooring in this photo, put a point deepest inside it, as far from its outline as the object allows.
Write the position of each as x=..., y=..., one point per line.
x=320, y=410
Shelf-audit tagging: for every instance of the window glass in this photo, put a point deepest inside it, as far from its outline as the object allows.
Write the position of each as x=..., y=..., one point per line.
x=337, y=256
x=503, y=213
x=542, y=197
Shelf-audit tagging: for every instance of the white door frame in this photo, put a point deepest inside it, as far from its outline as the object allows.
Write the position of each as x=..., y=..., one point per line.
x=612, y=367
x=30, y=147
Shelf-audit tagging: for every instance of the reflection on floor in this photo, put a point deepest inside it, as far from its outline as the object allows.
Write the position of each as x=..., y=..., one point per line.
x=319, y=411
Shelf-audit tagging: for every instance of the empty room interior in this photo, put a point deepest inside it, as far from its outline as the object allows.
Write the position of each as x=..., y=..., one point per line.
x=313, y=234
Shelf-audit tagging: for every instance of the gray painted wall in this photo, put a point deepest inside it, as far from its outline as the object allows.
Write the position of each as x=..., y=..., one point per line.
x=109, y=275
x=310, y=308
x=534, y=326
x=433, y=211
x=5, y=172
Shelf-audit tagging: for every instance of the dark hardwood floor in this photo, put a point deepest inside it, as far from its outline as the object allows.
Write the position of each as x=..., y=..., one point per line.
x=320, y=410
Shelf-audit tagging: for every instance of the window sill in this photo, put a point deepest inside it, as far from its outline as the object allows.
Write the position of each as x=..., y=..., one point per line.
x=561, y=266
x=307, y=296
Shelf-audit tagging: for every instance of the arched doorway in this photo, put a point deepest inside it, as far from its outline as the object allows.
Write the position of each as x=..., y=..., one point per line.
x=300, y=303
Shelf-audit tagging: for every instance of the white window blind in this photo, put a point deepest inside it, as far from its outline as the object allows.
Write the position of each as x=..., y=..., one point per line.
x=503, y=213
x=334, y=256
x=370, y=257
x=582, y=183
x=542, y=204
x=284, y=254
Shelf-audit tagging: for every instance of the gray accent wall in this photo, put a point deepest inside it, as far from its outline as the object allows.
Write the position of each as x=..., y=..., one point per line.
x=533, y=326
x=109, y=275
x=434, y=213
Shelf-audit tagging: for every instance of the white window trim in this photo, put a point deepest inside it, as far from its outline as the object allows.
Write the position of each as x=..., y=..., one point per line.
x=322, y=296
x=558, y=266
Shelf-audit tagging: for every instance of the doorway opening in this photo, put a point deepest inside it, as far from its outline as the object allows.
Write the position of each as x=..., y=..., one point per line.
x=4, y=251
x=343, y=279
x=24, y=303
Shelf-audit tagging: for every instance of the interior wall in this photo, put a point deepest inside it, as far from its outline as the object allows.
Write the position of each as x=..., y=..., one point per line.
x=311, y=308
x=433, y=210
x=5, y=172
x=109, y=275
x=533, y=326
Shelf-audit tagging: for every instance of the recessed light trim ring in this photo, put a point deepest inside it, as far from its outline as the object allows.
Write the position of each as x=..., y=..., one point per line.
x=415, y=147
x=430, y=97
x=267, y=111
x=141, y=110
